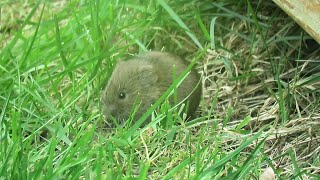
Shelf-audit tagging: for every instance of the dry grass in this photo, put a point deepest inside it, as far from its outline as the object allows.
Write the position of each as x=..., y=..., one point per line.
x=243, y=80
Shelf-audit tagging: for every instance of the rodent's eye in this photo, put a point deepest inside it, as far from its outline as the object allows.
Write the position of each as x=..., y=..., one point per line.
x=122, y=95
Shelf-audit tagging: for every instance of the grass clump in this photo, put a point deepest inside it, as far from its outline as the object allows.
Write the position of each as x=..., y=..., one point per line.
x=260, y=104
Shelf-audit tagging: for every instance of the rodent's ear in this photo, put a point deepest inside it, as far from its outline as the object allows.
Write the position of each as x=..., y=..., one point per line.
x=147, y=76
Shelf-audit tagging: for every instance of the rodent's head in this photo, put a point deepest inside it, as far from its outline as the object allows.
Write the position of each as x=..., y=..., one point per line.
x=132, y=83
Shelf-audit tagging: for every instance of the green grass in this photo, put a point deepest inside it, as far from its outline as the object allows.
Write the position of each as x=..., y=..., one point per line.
x=260, y=77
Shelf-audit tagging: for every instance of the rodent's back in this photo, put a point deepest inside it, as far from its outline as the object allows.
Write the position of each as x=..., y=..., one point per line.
x=165, y=64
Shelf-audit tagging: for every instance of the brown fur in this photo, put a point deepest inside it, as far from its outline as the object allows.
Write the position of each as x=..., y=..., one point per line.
x=144, y=79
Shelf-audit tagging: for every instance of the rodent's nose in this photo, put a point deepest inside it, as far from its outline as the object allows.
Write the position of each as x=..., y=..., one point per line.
x=112, y=109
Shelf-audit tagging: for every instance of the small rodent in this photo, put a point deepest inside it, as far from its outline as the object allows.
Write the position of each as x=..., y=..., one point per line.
x=143, y=79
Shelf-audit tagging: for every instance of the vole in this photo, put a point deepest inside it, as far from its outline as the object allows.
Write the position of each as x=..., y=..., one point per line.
x=142, y=80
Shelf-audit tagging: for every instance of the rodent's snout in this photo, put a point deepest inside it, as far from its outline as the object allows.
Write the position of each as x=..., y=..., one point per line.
x=107, y=109
x=112, y=109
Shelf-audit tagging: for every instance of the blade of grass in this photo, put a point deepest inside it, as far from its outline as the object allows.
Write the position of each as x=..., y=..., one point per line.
x=212, y=38
x=213, y=169
x=202, y=26
x=28, y=50
x=244, y=122
x=243, y=171
x=177, y=168
x=60, y=48
x=180, y=22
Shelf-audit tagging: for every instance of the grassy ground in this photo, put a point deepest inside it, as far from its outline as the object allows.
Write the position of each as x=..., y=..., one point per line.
x=260, y=107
